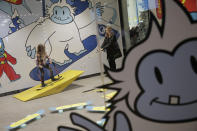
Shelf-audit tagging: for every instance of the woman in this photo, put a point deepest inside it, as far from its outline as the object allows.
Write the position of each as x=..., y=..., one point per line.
x=41, y=62
x=111, y=46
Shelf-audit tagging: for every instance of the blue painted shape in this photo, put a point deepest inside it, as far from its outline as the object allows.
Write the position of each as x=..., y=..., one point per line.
x=101, y=122
x=54, y=1
x=90, y=44
x=89, y=108
x=16, y=24
x=52, y=108
x=194, y=15
x=41, y=112
x=101, y=29
x=2, y=47
x=78, y=4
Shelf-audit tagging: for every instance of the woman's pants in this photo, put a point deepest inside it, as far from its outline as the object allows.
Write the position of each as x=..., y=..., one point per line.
x=112, y=63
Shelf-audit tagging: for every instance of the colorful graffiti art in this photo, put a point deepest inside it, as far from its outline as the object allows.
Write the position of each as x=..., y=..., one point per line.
x=5, y=58
x=62, y=16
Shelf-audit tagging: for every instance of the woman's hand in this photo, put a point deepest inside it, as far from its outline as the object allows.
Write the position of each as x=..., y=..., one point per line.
x=100, y=49
x=40, y=66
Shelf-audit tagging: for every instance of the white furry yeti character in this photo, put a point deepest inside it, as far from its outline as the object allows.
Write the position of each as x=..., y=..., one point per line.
x=60, y=30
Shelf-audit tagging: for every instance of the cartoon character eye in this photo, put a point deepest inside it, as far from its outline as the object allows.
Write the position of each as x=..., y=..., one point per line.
x=63, y=12
x=193, y=63
x=56, y=12
x=158, y=75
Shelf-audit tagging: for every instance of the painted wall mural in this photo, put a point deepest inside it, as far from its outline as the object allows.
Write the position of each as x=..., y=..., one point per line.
x=68, y=31
x=157, y=83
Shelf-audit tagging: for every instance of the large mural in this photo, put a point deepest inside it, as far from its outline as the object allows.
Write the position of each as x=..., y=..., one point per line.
x=67, y=28
x=156, y=86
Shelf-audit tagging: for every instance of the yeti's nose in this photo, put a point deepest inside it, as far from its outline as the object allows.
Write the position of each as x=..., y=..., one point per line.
x=174, y=100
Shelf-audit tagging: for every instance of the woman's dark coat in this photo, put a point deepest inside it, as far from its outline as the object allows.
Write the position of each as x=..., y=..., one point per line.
x=110, y=45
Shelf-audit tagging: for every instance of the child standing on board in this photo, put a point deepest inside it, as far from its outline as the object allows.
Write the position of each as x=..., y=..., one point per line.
x=41, y=62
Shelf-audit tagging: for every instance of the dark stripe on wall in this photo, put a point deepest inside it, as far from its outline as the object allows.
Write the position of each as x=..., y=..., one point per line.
x=122, y=26
x=43, y=8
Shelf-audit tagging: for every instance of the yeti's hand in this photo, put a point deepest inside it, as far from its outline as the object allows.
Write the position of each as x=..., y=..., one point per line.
x=82, y=122
x=121, y=123
x=99, y=9
x=31, y=51
x=41, y=20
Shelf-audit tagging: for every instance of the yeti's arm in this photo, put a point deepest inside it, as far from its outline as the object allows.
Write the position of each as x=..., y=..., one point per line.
x=89, y=18
x=89, y=15
x=39, y=35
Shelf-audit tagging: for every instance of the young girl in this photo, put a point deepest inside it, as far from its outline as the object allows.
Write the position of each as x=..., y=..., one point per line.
x=41, y=62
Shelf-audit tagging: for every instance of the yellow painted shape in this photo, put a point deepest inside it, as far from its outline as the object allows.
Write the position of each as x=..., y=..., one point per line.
x=183, y=1
x=110, y=95
x=52, y=87
x=24, y=120
x=71, y=106
x=100, y=108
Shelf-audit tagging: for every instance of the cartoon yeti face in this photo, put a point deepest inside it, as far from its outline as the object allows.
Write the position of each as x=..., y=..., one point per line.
x=168, y=81
x=61, y=12
x=61, y=15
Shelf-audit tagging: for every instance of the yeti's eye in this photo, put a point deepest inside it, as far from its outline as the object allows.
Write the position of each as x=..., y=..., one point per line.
x=63, y=12
x=158, y=75
x=56, y=12
x=193, y=63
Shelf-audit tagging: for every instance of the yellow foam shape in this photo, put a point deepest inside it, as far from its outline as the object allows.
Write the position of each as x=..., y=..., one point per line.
x=100, y=90
x=26, y=119
x=101, y=108
x=71, y=106
x=110, y=95
x=52, y=87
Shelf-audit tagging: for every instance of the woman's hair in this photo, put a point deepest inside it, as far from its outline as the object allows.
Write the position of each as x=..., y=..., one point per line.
x=41, y=50
x=109, y=28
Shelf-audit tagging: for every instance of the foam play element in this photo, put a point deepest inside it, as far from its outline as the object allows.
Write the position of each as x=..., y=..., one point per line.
x=99, y=109
x=100, y=90
x=101, y=122
x=23, y=122
x=60, y=109
x=52, y=87
x=110, y=95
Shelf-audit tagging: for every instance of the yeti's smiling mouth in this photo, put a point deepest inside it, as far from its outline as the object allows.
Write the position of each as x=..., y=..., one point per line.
x=173, y=101
x=61, y=19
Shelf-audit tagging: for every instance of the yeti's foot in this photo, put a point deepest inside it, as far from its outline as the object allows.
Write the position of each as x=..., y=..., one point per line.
x=81, y=52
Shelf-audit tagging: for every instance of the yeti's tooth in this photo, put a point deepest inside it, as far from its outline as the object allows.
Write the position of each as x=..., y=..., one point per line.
x=174, y=100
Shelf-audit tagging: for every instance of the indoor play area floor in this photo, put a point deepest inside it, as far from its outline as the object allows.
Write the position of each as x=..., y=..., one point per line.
x=13, y=110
